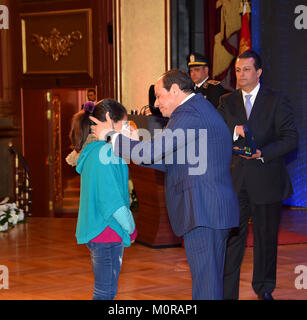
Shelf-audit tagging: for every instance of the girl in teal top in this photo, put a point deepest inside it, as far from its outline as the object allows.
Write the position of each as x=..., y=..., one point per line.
x=105, y=222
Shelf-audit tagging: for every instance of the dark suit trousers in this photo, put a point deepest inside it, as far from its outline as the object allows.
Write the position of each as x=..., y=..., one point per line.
x=205, y=250
x=265, y=219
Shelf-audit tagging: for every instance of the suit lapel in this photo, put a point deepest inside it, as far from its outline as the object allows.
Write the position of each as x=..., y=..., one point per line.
x=239, y=107
x=258, y=104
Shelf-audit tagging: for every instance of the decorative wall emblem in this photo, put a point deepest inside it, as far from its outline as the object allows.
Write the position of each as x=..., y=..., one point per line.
x=57, y=42
x=56, y=45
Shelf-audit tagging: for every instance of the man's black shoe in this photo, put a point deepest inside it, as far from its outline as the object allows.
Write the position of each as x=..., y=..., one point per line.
x=265, y=296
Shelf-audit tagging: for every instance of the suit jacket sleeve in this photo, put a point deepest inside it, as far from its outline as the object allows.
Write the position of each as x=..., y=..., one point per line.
x=124, y=147
x=286, y=132
x=154, y=153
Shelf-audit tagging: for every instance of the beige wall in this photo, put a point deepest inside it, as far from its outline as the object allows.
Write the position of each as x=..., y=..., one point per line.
x=142, y=48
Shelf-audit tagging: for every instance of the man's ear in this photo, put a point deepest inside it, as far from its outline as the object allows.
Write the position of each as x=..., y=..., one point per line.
x=174, y=89
x=259, y=72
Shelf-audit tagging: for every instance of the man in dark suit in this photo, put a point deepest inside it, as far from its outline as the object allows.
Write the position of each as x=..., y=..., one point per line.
x=199, y=72
x=261, y=181
x=201, y=201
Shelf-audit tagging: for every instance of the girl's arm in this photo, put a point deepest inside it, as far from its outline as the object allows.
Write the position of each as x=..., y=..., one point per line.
x=125, y=218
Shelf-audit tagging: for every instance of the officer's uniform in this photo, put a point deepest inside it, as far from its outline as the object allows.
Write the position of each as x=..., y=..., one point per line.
x=210, y=89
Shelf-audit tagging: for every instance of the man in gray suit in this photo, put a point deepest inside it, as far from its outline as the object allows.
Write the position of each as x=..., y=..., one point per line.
x=201, y=201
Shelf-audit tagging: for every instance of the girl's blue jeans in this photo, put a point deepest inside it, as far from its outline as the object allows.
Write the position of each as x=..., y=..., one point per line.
x=106, y=263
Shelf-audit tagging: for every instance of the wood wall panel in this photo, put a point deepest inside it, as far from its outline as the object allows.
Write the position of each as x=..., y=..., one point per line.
x=36, y=148
x=70, y=104
x=151, y=218
x=103, y=78
x=10, y=115
x=37, y=135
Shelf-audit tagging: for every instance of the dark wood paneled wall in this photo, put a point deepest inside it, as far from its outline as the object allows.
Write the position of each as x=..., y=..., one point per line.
x=151, y=218
x=102, y=24
x=10, y=116
x=23, y=99
x=36, y=148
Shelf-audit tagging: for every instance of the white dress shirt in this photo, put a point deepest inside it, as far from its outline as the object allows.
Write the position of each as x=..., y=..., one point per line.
x=198, y=85
x=187, y=98
x=253, y=94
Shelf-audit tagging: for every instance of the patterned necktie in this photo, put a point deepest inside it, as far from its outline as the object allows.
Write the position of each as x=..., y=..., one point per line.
x=248, y=105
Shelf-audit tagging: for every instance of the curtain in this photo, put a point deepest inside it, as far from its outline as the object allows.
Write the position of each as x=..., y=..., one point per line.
x=222, y=25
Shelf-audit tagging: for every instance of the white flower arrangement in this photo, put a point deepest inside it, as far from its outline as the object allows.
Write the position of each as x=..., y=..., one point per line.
x=10, y=215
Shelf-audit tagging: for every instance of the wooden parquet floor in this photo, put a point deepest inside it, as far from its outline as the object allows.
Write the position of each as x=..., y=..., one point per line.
x=45, y=263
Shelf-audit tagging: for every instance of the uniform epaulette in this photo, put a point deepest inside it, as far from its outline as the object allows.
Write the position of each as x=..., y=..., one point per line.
x=214, y=82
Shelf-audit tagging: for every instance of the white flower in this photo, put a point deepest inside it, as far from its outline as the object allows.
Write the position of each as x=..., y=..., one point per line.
x=3, y=207
x=4, y=227
x=13, y=218
x=10, y=215
x=12, y=205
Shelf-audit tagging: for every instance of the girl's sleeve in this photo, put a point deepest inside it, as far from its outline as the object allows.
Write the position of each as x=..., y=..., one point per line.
x=124, y=217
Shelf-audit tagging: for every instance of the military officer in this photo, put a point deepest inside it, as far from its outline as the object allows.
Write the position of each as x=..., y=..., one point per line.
x=199, y=72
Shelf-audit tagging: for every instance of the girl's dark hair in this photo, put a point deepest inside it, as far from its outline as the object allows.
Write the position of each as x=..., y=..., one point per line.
x=81, y=124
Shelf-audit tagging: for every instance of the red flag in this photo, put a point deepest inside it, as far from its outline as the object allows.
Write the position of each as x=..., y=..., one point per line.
x=245, y=37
